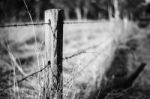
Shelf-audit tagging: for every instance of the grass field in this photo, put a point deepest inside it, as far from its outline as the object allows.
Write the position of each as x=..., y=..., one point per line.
x=94, y=47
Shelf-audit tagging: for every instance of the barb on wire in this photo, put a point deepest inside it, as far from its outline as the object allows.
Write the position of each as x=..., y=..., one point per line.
x=79, y=52
x=76, y=54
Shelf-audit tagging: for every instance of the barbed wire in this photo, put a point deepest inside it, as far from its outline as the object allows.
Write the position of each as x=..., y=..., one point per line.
x=83, y=51
x=20, y=25
x=38, y=24
x=79, y=52
x=35, y=73
x=46, y=66
x=80, y=22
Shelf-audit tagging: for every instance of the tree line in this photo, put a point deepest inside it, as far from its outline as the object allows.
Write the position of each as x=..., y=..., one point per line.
x=16, y=10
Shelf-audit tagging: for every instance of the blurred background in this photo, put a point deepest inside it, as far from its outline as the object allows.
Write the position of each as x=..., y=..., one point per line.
x=16, y=10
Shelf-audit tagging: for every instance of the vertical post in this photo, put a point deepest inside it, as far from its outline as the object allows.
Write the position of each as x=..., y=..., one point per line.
x=54, y=51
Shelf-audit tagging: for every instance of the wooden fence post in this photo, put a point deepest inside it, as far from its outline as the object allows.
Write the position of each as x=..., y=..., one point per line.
x=54, y=51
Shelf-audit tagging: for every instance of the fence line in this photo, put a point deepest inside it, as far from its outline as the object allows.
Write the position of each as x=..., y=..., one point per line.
x=49, y=65
x=54, y=45
x=43, y=23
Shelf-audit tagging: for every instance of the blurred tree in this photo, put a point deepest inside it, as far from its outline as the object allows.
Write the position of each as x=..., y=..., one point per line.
x=14, y=10
x=62, y=4
x=129, y=7
x=97, y=8
x=69, y=6
x=37, y=9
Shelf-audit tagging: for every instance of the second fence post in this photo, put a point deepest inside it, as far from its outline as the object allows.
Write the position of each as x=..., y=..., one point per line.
x=54, y=51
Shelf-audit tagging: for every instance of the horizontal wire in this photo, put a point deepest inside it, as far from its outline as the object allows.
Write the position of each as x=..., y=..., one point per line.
x=80, y=22
x=35, y=24
x=19, y=25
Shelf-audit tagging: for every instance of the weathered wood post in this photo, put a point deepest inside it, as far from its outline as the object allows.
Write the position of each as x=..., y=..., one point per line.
x=54, y=51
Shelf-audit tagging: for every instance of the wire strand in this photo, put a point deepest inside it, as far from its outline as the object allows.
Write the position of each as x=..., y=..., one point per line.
x=36, y=24
x=19, y=25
